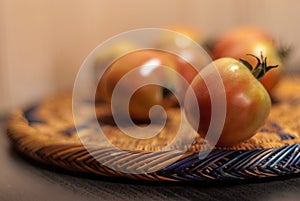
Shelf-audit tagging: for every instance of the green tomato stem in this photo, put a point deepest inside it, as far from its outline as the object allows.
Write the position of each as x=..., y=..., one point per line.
x=261, y=67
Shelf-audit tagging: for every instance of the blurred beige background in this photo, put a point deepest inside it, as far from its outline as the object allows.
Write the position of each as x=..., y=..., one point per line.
x=43, y=43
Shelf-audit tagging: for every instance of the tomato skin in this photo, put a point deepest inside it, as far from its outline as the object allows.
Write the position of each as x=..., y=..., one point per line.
x=248, y=103
x=103, y=59
x=185, y=47
x=233, y=42
x=249, y=40
x=147, y=96
x=185, y=69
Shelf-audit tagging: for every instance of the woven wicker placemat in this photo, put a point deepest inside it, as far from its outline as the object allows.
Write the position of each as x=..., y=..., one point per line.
x=46, y=133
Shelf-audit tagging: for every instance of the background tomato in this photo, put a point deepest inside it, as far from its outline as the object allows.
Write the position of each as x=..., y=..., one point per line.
x=145, y=97
x=250, y=40
x=151, y=63
x=248, y=103
x=185, y=47
x=233, y=42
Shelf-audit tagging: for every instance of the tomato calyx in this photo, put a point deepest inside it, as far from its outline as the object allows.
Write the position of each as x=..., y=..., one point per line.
x=261, y=67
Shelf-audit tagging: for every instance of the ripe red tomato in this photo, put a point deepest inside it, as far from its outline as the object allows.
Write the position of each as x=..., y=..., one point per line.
x=248, y=103
x=249, y=40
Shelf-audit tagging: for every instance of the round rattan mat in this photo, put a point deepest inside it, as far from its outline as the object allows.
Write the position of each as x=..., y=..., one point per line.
x=46, y=133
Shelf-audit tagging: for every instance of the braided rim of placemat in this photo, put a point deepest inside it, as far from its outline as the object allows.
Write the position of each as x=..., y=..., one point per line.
x=45, y=133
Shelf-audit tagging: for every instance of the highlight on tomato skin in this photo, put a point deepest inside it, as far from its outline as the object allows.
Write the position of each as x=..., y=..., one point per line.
x=247, y=103
x=241, y=41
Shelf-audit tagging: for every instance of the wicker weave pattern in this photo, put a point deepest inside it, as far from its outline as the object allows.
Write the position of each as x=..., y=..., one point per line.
x=47, y=134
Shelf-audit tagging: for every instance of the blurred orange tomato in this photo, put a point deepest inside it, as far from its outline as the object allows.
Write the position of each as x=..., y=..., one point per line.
x=250, y=40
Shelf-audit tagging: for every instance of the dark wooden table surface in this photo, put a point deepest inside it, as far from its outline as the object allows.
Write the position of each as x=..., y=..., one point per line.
x=24, y=180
